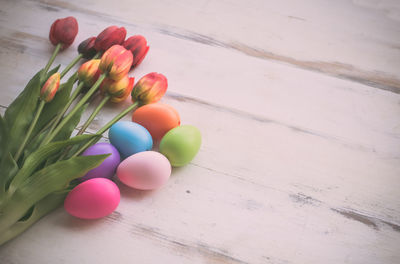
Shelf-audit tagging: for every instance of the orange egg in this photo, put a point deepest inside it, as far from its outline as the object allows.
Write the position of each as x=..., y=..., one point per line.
x=157, y=118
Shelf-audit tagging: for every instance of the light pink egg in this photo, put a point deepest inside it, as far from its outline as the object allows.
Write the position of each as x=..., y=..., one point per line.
x=92, y=199
x=146, y=170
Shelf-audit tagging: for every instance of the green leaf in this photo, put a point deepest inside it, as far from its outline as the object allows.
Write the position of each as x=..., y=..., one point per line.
x=3, y=137
x=55, y=106
x=44, y=182
x=19, y=114
x=40, y=209
x=8, y=168
x=34, y=144
x=67, y=129
x=39, y=156
x=77, y=147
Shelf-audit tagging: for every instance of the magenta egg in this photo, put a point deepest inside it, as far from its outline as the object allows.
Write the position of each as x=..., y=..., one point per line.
x=107, y=168
x=93, y=199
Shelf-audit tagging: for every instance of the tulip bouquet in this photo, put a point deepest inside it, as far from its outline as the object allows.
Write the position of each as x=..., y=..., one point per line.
x=39, y=158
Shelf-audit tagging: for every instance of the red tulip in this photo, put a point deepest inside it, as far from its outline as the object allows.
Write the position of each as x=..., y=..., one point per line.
x=86, y=48
x=118, y=90
x=138, y=46
x=116, y=62
x=150, y=88
x=110, y=36
x=63, y=31
x=50, y=87
x=89, y=72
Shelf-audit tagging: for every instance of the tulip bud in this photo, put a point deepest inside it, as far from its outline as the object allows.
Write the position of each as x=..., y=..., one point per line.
x=118, y=90
x=63, y=31
x=150, y=88
x=116, y=62
x=89, y=72
x=50, y=87
x=138, y=46
x=86, y=48
x=110, y=36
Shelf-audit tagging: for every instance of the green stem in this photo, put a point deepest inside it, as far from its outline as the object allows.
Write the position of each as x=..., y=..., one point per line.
x=70, y=65
x=57, y=119
x=32, y=126
x=44, y=129
x=98, y=55
x=93, y=115
x=105, y=127
x=118, y=117
x=72, y=98
x=87, y=123
x=75, y=109
x=51, y=60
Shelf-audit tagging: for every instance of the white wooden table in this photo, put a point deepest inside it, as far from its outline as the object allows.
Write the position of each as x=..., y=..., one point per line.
x=298, y=103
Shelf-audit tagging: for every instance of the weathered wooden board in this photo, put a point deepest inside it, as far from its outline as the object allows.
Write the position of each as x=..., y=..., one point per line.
x=299, y=109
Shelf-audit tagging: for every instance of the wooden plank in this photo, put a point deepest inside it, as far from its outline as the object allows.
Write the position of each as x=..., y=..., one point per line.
x=263, y=209
x=294, y=161
x=321, y=120
x=296, y=166
x=318, y=104
x=193, y=220
x=342, y=39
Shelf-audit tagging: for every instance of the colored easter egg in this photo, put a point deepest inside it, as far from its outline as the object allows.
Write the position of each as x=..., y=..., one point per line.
x=92, y=199
x=130, y=138
x=157, y=118
x=146, y=170
x=107, y=168
x=181, y=144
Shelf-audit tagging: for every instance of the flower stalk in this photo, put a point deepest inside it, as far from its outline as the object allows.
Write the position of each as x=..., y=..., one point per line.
x=94, y=113
x=31, y=127
x=51, y=60
x=70, y=65
x=92, y=90
x=64, y=110
x=105, y=127
x=47, y=93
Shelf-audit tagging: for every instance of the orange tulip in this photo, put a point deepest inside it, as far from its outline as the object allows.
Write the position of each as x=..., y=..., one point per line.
x=150, y=88
x=50, y=88
x=116, y=62
x=118, y=90
x=89, y=72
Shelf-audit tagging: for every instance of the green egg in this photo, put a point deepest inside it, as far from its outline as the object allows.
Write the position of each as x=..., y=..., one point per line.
x=181, y=144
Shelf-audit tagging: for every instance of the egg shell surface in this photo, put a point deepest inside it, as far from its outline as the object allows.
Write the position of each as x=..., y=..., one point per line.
x=92, y=199
x=146, y=170
x=157, y=118
x=181, y=144
x=107, y=168
x=130, y=138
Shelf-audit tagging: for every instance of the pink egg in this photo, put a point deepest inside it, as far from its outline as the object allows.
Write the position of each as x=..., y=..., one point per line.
x=92, y=199
x=146, y=170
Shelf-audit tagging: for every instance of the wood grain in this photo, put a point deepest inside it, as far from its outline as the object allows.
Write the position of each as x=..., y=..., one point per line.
x=332, y=45
x=299, y=110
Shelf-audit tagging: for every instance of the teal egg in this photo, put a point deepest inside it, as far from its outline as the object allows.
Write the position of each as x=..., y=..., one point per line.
x=129, y=138
x=181, y=144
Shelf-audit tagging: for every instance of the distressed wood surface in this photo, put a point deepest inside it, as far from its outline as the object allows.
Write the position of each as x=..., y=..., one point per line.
x=299, y=107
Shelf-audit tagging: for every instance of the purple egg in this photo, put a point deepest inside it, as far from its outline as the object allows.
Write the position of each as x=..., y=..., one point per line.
x=109, y=165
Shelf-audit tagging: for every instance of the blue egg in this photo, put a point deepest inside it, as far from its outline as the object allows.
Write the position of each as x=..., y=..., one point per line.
x=130, y=138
